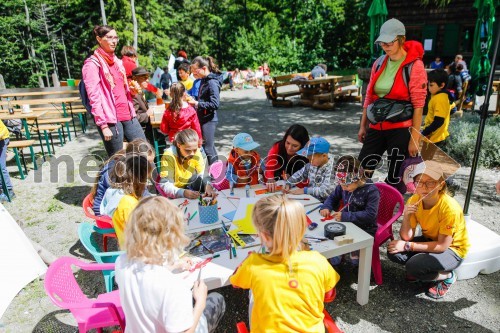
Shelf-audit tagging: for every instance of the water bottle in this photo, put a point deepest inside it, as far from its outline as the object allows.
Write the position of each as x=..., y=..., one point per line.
x=9, y=106
x=247, y=190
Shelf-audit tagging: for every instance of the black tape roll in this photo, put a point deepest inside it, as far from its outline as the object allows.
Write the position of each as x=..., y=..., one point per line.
x=334, y=229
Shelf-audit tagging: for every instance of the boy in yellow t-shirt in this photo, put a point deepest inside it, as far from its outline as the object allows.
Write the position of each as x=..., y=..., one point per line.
x=436, y=122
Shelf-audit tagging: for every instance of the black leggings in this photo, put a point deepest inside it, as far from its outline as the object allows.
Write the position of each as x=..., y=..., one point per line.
x=426, y=266
x=394, y=142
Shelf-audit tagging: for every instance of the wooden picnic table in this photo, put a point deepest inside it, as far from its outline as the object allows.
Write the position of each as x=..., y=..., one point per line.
x=323, y=87
x=38, y=93
x=4, y=115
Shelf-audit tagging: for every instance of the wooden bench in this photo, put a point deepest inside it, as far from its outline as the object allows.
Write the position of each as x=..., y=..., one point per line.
x=346, y=86
x=47, y=130
x=17, y=147
x=282, y=81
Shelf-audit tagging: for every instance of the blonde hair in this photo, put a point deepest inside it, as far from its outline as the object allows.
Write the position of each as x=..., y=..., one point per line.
x=154, y=233
x=284, y=220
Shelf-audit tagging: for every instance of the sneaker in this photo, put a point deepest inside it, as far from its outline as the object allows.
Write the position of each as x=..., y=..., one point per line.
x=440, y=289
x=3, y=197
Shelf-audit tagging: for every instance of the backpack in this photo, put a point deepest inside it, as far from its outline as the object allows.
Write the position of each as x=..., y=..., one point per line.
x=83, y=91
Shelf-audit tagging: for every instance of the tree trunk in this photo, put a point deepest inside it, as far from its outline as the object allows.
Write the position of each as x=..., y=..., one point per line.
x=134, y=22
x=49, y=38
x=31, y=47
x=65, y=55
x=103, y=13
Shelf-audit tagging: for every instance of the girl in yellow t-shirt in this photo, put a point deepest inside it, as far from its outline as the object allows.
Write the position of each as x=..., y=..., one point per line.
x=444, y=242
x=182, y=168
x=287, y=285
x=136, y=174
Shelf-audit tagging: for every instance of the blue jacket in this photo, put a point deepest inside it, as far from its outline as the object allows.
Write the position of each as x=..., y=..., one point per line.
x=362, y=209
x=209, y=98
x=102, y=186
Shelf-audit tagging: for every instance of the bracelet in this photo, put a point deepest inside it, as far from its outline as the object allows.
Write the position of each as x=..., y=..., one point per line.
x=411, y=246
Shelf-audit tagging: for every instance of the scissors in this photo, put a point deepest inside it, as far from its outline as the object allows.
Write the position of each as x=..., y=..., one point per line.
x=184, y=203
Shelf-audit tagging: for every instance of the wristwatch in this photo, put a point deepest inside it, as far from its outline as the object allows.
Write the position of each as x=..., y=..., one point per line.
x=407, y=247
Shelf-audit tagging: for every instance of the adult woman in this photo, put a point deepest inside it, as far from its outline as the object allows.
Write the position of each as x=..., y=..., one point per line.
x=282, y=157
x=206, y=106
x=444, y=242
x=182, y=168
x=400, y=136
x=109, y=94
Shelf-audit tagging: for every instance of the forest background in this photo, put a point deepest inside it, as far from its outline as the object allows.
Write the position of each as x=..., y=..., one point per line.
x=42, y=37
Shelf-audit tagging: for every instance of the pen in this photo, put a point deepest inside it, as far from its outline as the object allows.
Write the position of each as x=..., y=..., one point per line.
x=185, y=209
x=192, y=216
x=302, y=198
x=206, y=248
x=312, y=210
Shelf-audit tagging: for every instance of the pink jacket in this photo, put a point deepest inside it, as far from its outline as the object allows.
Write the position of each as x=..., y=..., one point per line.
x=99, y=92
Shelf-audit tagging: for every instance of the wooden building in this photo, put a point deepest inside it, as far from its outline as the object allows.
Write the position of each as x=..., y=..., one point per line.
x=444, y=32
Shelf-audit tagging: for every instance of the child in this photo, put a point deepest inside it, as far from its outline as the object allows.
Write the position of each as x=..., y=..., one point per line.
x=287, y=285
x=179, y=114
x=107, y=174
x=183, y=74
x=137, y=171
x=358, y=194
x=154, y=298
x=6, y=184
x=243, y=163
x=444, y=242
x=318, y=171
x=438, y=116
x=182, y=168
x=141, y=76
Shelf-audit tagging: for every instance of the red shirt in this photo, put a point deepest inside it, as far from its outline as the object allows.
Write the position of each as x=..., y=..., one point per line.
x=120, y=94
x=187, y=118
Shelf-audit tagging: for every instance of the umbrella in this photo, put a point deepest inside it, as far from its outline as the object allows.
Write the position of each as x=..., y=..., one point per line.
x=378, y=15
x=482, y=123
x=480, y=65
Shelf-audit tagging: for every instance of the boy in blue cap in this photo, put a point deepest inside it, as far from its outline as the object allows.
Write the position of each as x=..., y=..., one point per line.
x=318, y=172
x=243, y=162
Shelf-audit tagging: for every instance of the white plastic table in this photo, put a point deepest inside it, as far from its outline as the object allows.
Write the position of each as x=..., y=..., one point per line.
x=216, y=274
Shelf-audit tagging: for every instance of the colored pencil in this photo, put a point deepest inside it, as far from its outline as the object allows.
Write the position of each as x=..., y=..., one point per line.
x=192, y=216
x=312, y=210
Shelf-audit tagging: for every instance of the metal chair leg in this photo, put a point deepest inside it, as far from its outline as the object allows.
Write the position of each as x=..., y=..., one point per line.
x=18, y=162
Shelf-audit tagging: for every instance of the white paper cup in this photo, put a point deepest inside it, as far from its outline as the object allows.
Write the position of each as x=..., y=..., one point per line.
x=26, y=109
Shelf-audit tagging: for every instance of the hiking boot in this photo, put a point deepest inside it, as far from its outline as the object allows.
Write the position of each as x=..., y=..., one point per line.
x=440, y=288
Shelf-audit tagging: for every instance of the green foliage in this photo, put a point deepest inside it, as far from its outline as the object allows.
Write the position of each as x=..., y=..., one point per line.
x=290, y=35
x=462, y=141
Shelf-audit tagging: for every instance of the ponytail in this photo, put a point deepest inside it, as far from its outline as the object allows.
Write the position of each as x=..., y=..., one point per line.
x=208, y=62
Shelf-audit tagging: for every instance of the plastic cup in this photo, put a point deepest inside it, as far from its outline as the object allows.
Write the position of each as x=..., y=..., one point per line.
x=208, y=214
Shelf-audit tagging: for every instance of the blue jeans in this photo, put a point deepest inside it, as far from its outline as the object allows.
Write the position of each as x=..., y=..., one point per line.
x=3, y=164
x=129, y=130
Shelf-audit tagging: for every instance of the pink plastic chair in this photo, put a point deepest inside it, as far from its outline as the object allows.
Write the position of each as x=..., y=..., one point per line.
x=103, y=221
x=63, y=290
x=389, y=198
x=218, y=173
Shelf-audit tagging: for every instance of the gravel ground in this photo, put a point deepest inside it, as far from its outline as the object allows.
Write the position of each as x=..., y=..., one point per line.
x=48, y=207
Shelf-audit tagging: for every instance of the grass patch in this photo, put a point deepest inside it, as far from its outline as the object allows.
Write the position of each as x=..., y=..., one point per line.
x=462, y=141
x=54, y=206
x=51, y=227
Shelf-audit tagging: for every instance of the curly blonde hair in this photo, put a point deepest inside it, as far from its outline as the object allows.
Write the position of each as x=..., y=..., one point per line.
x=154, y=233
x=283, y=220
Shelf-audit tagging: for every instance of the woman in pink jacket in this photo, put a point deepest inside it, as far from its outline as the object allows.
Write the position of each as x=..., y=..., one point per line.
x=109, y=94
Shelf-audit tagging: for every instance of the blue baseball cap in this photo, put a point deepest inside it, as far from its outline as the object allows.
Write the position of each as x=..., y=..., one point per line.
x=244, y=141
x=317, y=145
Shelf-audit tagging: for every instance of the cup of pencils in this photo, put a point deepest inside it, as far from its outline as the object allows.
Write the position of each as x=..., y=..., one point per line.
x=208, y=210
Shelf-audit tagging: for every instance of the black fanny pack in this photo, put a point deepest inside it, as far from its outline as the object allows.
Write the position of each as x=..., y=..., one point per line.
x=392, y=110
